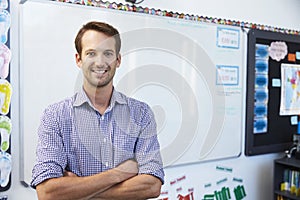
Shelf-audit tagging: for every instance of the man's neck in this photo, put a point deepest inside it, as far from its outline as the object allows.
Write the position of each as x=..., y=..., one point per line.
x=100, y=97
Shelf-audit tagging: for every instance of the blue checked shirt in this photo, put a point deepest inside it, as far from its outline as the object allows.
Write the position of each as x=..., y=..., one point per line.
x=73, y=136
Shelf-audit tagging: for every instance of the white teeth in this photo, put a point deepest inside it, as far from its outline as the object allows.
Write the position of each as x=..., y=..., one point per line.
x=100, y=71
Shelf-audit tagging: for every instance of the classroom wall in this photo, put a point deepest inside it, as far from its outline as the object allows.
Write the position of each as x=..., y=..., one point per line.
x=253, y=173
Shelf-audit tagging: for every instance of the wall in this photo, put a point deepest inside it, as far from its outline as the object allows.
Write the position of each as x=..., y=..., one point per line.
x=254, y=173
x=276, y=13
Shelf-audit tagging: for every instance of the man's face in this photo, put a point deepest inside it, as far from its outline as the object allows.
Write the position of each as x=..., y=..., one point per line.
x=98, y=60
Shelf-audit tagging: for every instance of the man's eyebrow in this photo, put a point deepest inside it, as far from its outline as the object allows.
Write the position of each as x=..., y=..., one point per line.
x=109, y=50
x=89, y=50
x=103, y=49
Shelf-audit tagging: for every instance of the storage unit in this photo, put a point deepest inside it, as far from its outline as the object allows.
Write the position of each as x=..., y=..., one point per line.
x=286, y=170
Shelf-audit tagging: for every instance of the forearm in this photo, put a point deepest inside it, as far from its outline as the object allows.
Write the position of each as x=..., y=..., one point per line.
x=81, y=188
x=76, y=188
x=139, y=187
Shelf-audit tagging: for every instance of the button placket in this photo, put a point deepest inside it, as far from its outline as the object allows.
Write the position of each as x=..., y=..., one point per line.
x=106, y=146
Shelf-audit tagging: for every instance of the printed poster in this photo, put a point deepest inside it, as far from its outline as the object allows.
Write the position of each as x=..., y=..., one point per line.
x=290, y=89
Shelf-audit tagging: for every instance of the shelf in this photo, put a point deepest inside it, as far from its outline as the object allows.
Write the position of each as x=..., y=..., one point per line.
x=280, y=165
x=293, y=162
x=287, y=194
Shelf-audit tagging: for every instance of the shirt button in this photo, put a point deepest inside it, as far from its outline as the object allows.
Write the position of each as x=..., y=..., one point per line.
x=104, y=140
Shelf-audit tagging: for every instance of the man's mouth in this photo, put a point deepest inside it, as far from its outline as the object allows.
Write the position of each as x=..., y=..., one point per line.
x=100, y=71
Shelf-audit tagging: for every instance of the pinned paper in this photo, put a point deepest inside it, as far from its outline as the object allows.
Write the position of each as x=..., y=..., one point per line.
x=262, y=51
x=5, y=130
x=260, y=125
x=278, y=50
x=260, y=110
x=5, y=168
x=276, y=82
x=4, y=25
x=5, y=57
x=298, y=55
x=261, y=66
x=292, y=57
x=294, y=120
x=261, y=81
x=3, y=4
x=290, y=89
x=5, y=96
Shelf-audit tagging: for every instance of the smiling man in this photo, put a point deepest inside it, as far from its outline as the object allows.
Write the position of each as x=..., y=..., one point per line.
x=99, y=143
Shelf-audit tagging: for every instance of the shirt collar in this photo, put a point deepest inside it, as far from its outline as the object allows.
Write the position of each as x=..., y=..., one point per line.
x=81, y=98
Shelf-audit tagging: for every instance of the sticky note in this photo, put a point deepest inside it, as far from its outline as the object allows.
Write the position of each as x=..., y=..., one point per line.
x=294, y=120
x=298, y=55
x=5, y=96
x=5, y=57
x=292, y=57
x=276, y=82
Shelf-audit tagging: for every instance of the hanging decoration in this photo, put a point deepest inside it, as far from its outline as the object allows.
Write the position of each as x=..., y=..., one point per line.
x=152, y=11
x=5, y=99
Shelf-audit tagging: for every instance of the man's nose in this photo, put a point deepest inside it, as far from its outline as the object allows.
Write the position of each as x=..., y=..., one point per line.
x=100, y=60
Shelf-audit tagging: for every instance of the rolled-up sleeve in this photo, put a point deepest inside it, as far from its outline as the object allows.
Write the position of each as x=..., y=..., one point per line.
x=50, y=154
x=148, y=149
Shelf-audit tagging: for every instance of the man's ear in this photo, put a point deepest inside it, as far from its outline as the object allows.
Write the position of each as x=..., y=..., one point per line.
x=119, y=60
x=78, y=60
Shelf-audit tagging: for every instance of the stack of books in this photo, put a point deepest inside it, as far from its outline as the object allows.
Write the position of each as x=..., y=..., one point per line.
x=291, y=181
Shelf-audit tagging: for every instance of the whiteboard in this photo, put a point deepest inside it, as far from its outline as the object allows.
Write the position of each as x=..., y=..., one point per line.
x=190, y=73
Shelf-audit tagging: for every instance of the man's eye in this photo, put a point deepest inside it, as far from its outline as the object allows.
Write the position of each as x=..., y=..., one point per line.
x=108, y=54
x=90, y=53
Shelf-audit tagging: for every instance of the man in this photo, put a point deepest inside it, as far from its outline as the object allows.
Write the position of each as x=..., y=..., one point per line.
x=98, y=144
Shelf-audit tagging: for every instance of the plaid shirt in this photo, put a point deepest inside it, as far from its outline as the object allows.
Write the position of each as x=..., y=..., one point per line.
x=73, y=136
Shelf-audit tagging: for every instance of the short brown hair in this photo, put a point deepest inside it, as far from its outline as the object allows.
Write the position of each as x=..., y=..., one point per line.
x=100, y=27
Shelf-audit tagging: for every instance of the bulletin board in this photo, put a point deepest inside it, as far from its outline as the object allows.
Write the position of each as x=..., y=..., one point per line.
x=272, y=109
x=190, y=73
